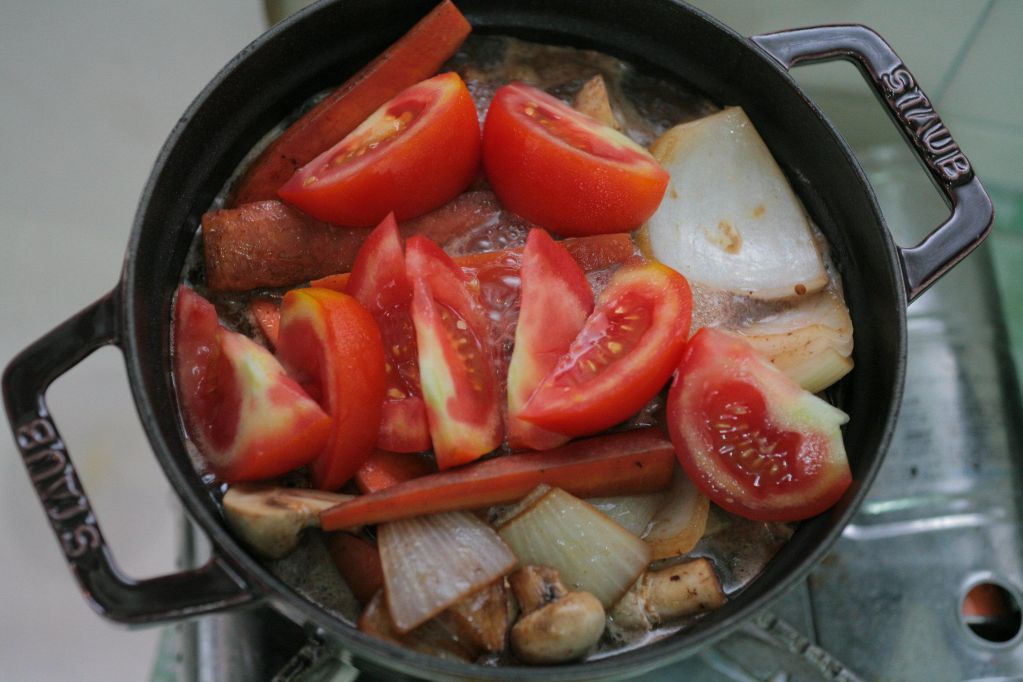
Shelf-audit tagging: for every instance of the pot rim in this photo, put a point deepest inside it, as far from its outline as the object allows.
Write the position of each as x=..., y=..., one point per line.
x=287, y=599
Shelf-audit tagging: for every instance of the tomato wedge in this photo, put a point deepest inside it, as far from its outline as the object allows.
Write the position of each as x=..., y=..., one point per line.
x=332, y=346
x=564, y=170
x=749, y=437
x=625, y=353
x=379, y=282
x=556, y=300
x=413, y=57
x=247, y=417
x=455, y=359
x=415, y=153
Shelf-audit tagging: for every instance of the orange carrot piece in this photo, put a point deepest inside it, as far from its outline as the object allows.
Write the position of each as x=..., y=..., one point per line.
x=613, y=464
x=358, y=562
x=268, y=316
x=466, y=212
x=592, y=253
x=384, y=469
x=269, y=244
x=417, y=55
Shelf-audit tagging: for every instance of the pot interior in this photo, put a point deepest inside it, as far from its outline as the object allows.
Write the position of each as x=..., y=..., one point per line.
x=322, y=46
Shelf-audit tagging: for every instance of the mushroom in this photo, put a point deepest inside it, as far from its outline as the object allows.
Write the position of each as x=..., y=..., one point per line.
x=271, y=519
x=669, y=593
x=593, y=101
x=556, y=625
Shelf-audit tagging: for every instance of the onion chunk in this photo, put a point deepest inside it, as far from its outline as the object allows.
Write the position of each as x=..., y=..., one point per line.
x=590, y=551
x=730, y=220
x=680, y=523
x=810, y=343
x=431, y=562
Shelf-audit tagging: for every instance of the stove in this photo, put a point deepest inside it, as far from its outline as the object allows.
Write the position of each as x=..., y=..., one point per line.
x=942, y=518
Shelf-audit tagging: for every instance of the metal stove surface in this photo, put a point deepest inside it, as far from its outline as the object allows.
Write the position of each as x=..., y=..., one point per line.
x=885, y=604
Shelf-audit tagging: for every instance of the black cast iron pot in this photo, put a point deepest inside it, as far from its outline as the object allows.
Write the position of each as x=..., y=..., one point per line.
x=320, y=47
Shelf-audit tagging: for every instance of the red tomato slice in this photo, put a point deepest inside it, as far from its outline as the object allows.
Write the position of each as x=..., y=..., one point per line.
x=412, y=155
x=379, y=282
x=556, y=300
x=331, y=344
x=247, y=417
x=564, y=170
x=455, y=359
x=624, y=354
x=749, y=437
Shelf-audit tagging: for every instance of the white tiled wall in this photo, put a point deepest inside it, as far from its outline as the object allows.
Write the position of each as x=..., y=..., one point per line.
x=88, y=91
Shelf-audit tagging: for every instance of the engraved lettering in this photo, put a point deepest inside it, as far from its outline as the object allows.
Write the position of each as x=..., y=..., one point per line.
x=60, y=489
x=36, y=432
x=922, y=117
x=937, y=139
x=911, y=99
x=57, y=464
x=924, y=127
x=57, y=487
x=68, y=513
x=898, y=81
x=954, y=166
x=79, y=541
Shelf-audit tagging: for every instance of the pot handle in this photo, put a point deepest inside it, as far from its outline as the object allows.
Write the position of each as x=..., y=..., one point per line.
x=911, y=110
x=25, y=381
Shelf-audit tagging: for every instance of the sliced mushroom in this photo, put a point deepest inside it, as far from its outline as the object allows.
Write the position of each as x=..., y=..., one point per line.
x=556, y=625
x=669, y=593
x=594, y=101
x=270, y=519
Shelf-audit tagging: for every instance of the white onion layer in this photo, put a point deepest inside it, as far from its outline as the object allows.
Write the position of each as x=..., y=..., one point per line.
x=679, y=524
x=590, y=551
x=810, y=343
x=633, y=512
x=729, y=218
x=431, y=562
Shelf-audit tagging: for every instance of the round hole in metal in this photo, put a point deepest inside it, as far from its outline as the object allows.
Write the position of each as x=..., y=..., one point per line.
x=991, y=611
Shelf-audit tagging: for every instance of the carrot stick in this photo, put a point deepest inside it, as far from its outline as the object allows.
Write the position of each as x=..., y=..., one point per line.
x=358, y=562
x=417, y=55
x=614, y=464
x=269, y=244
x=592, y=253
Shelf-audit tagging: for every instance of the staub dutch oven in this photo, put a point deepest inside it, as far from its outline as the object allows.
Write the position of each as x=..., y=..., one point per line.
x=318, y=48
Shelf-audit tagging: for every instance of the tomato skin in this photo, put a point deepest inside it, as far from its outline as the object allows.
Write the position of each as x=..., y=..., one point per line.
x=332, y=345
x=456, y=362
x=749, y=437
x=625, y=353
x=598, y=182
x=556, y=300
x=415, y=153
x=247, y=417
x=379, y=282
